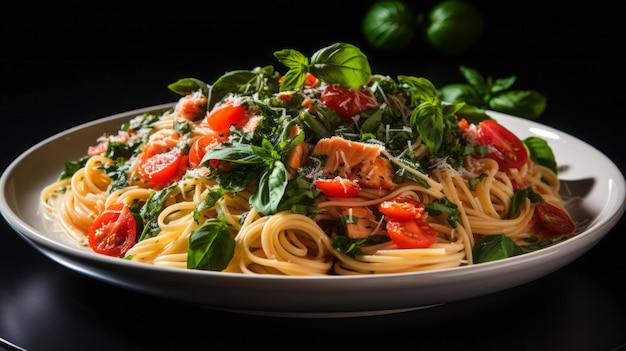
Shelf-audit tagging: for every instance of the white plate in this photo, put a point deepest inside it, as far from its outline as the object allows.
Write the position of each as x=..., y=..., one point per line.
x=585, y=171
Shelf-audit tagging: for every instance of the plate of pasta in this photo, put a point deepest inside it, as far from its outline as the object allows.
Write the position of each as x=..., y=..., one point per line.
x=317, y=192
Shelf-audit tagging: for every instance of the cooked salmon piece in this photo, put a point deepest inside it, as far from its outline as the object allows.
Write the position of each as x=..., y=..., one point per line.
x=297, y=156
x=344, y=155
x=374, y=174
x=364, y=222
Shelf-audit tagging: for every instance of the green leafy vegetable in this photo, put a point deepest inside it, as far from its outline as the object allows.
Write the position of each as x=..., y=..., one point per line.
x=339, y=63
x=494, y=94
x=389, y=25
x=494, y=247
x=211, y=246
x=540, y=152
x=453, y=26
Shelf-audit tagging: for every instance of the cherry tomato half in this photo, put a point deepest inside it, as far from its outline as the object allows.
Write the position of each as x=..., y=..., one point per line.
x=201, y=146
x=348, y=102
x=411, y=233
x=554, y=219
x=402, y=207
x=222, y=117
x=338, y=187
x=510, y=151
x=161, y=167
x=114, y=231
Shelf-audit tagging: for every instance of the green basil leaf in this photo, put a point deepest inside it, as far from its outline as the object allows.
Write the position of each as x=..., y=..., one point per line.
x=186, y=86
x=211, y=246
x=389, y=25
x=235, y=152
x=420, y=89
x=293, y=79
x=270, y=189
x=342, y=64
x=298, y=66
x=459, y=92
x=474, y=78
x=292, y=58
x=523, y=103
x=502, y=84
x=541, y=153
x=239, y=81
x=427, y=119
x=494, y=247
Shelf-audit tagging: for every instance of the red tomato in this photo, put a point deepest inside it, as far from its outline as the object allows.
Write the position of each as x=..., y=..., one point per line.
x=411, y=233
x=161, y=167
x=338, y=187
x=510, y=151
x=348, y=102
x=114, y=231
x=201, y=146
x=221, y=118
x=402, y=207
x=554, y=219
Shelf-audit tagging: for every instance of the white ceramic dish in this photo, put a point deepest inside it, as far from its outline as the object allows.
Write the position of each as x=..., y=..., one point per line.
x=586, y=172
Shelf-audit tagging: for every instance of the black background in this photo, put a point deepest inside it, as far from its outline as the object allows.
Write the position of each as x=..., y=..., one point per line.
x=66, y=63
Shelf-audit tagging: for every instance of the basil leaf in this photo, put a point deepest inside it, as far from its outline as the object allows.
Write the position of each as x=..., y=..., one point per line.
x=444, y=205
x=186, y=86
x=427, y=119
x=292, y=58
x=152, y=208
x=342, y=64
x=298, y=66
x=235, y=152
x=523, y=103
x=241, y=82
x=293, y=79
x=211, y=246
x=461, y=92
x=270, y=189
x=474, y=78
x=541, y=153
x=420, y=89
x=494, y=247
x=502, y=84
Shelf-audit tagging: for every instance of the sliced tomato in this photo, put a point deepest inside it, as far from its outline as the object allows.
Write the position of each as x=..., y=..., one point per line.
x=554, y=218
x=114, y=231
x=222, y=117
x=348, y=102
x=402, y=207
x=411, y=233
x=338, y=187
x=201, y=146
x=161, y=167
x=509, y=152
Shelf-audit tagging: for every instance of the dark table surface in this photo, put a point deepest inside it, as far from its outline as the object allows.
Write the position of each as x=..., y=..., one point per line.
x=61, y=70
